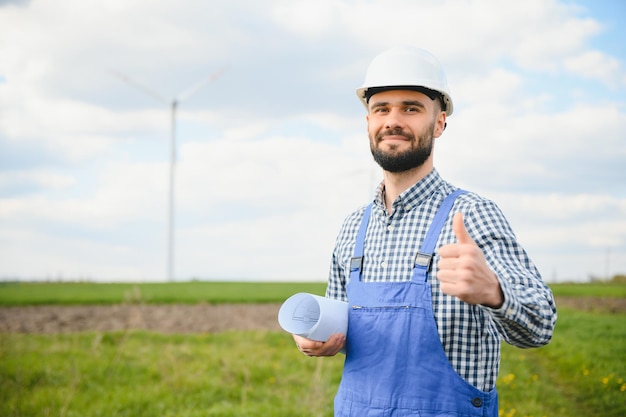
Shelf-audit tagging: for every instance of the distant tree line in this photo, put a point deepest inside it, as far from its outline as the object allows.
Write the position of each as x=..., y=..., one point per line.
x=617, y=278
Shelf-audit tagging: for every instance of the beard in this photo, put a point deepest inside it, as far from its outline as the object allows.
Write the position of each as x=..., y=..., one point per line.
x=393, y=160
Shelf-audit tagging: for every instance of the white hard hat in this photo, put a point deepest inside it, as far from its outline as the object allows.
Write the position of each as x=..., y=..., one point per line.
x=406, y=67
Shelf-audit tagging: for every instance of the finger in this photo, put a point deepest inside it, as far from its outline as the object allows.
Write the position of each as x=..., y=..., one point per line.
x=446, y=276
x=306, y=344
x=334, y=344
x=337, y=340
x=331, y=347
x=461, y=233
x=448, y=260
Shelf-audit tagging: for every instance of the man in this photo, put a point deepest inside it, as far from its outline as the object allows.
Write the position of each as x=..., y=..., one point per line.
x=434, y=275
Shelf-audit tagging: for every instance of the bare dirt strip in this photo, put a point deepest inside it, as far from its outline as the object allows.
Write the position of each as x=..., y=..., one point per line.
x=200, y=318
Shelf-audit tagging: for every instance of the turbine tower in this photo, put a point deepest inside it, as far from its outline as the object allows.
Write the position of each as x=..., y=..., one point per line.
x=173, y=103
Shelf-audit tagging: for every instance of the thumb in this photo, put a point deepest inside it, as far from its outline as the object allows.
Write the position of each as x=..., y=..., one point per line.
x=458, y=226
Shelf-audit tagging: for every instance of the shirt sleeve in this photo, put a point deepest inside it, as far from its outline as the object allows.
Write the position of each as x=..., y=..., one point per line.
x=345, y=241
x=336, y=288
x=528, y=314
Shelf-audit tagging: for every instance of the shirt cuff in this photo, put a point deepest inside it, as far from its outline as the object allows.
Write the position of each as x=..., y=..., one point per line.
x=507, y=309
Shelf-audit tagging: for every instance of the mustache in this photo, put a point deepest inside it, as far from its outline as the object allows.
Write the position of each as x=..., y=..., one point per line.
x=394, y=132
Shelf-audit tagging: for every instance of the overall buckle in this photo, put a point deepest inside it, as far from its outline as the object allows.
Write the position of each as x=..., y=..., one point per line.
x=356, y=263
x=423, y=259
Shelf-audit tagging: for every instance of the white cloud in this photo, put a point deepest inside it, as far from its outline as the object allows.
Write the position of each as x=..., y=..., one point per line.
x=273, y=154
x=38, y=178
x=309, y=19
x=269, y=201
x=569, y=235
x=30, y=254
x=125, y=192
x=597, y=65
x=76, y=130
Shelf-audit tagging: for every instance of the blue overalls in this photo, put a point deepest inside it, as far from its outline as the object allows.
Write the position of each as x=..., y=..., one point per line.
x=395, y=364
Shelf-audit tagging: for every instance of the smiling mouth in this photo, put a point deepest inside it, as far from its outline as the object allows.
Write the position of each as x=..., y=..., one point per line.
x=393, y=138
x=393, y=135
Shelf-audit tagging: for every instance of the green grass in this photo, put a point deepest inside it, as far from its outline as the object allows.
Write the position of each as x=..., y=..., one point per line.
x=581, y=373
x=594, y=289
x=146, y=374
x=193, y=292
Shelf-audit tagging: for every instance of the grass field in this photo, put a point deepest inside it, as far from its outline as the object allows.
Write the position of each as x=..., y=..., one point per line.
x=68, y=293
x=254, y=373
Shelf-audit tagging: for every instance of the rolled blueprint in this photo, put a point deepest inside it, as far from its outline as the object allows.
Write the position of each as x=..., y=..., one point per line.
x=313, y=317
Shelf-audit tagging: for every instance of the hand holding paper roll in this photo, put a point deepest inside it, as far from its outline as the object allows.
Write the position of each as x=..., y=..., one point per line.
x=330, y=347
x=318, y=324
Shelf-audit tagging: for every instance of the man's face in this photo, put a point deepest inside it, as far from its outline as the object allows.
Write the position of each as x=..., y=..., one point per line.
x=402, y=126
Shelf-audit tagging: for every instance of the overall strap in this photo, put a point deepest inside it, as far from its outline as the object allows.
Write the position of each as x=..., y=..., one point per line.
x=356, y=263
x=424, y=255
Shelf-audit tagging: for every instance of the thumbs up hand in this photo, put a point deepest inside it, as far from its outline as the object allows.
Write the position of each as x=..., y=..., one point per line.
x=463, y=270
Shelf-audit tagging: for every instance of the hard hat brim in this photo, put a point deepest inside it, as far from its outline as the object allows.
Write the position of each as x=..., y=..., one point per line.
x=364, y=94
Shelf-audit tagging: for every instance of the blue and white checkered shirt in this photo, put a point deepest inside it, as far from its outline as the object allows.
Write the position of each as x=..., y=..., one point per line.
x=470, y=334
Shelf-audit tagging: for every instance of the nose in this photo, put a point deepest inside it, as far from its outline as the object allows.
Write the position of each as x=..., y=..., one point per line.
x=393, y=119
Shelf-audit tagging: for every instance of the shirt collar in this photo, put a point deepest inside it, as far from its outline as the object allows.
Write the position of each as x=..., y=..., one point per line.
x=413, y=196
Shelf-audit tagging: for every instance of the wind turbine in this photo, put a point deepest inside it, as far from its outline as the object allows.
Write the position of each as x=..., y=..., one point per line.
x=173, y=103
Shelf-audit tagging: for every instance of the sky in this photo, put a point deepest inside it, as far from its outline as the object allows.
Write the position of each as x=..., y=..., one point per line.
x=271, y=145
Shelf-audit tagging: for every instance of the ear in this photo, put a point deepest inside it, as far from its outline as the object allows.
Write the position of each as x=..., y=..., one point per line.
x=440, y=124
